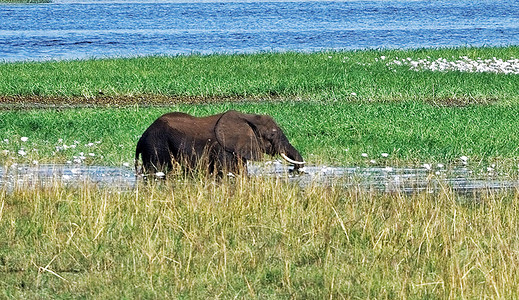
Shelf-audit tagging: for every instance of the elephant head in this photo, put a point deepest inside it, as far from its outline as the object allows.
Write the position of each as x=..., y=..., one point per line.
x=249, y=136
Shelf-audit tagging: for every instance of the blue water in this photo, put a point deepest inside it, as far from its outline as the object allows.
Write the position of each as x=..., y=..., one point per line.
x=76, y=30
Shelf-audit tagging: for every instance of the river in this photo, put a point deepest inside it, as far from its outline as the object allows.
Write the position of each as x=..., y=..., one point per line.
x=66, y=29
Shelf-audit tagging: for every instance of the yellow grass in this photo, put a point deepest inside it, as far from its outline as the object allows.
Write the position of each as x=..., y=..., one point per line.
x=255, y=237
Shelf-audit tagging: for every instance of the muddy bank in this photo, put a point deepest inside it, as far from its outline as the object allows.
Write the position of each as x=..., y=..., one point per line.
x=34, y=101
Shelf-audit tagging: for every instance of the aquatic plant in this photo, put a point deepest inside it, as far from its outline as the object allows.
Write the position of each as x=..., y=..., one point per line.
x=351, y=133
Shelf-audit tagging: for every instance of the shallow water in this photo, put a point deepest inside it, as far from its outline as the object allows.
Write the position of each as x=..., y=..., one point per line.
x=69, y=29
x=383, y=179
x=47, y=175
x=389, y=179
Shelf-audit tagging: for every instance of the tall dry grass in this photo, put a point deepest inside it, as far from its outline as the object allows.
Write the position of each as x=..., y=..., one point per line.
x=255, y=238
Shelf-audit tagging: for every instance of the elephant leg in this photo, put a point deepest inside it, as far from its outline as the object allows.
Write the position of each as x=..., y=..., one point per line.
x=230, y=163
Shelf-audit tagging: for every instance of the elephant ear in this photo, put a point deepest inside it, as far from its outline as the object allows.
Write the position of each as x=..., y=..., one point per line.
x=235, y=133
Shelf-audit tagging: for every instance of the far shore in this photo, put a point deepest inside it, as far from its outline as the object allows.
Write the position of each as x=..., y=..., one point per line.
x=25, y=1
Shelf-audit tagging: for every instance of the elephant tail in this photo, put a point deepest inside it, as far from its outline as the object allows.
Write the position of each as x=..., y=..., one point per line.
x=138, y=151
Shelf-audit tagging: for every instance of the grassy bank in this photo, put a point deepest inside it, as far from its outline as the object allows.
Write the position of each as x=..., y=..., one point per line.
x=255, y=238
x=385, y=75
x=344, y=133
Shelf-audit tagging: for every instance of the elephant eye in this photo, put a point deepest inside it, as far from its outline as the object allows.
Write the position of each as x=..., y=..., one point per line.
x=272, y=133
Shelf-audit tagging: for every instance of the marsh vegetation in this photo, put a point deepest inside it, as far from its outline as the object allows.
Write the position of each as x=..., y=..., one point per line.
x=247, y=237
x=342, y=133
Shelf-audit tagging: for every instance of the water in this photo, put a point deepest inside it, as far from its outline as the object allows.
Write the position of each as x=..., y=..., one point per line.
x=382, y=179
x=47, y=175
x=69, y=29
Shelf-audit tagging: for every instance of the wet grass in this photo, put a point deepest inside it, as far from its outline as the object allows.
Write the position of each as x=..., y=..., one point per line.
x=255, y=238
x=330, y=76
x=345, y=133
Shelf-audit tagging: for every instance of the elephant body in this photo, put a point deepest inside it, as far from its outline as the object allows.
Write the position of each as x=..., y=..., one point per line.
x=218, y=143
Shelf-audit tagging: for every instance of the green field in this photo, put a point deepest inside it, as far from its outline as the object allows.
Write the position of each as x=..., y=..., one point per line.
x=200, y=237
x=331, y=76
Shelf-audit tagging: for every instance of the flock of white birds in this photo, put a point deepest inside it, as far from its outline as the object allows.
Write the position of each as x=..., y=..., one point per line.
x=461, y=64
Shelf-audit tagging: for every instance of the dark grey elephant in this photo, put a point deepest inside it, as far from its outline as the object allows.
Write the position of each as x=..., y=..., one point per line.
x=219, y=144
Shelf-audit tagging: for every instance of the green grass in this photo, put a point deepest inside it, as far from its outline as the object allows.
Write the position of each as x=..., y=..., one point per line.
x=200, y=238
x=412, y=133
x=253, y=237
x=316, y=76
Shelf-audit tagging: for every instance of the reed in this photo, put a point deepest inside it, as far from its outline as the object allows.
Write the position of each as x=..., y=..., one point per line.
x=198, y=237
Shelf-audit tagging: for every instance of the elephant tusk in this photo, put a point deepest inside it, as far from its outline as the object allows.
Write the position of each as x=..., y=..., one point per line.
x=291, y=160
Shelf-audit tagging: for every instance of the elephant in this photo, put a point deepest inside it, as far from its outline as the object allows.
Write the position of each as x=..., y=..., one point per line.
x=221, y=143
